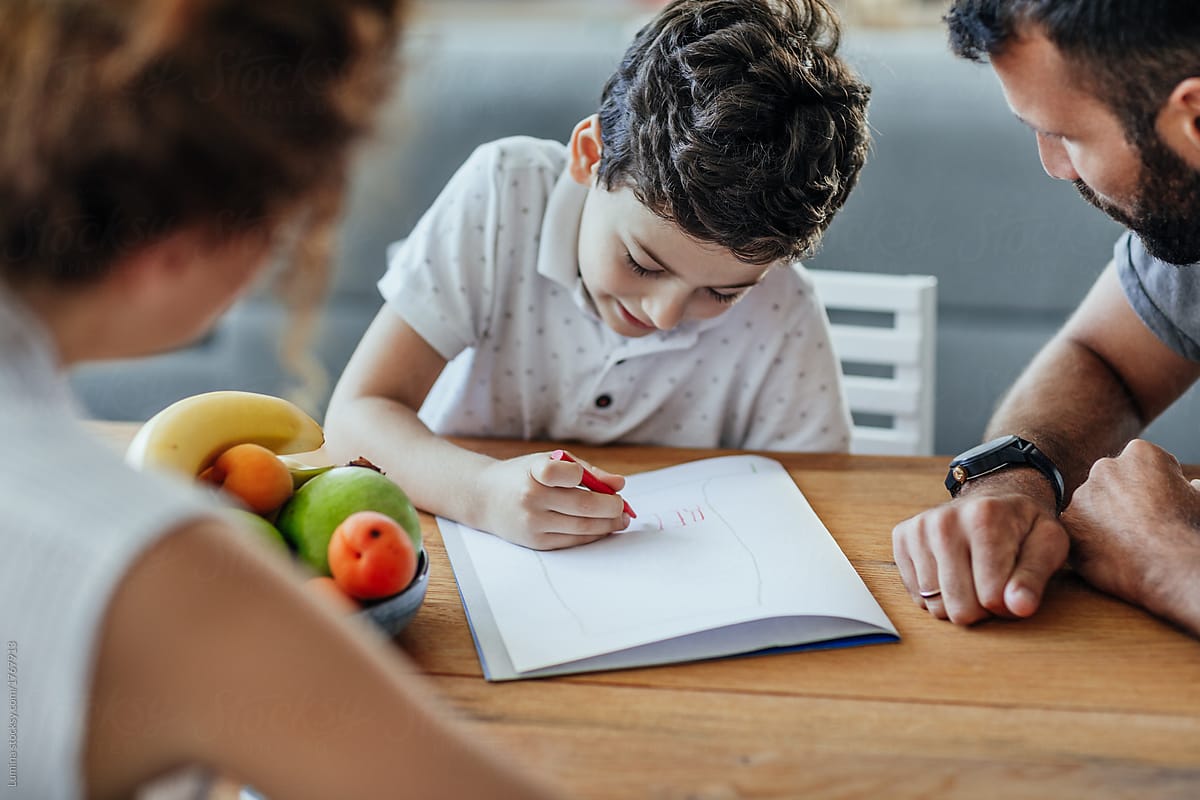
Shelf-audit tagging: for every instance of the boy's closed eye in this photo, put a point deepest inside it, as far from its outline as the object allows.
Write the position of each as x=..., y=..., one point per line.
x=725, y=296
x=639, y=270
x=721, y=295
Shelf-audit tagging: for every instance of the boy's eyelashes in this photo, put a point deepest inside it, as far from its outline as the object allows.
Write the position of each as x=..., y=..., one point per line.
x=721, y=297
x=639, y=270
x=643, y=272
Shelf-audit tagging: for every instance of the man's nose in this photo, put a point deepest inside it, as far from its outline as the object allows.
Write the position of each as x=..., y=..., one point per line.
x=1055, y=159
x=668, y=305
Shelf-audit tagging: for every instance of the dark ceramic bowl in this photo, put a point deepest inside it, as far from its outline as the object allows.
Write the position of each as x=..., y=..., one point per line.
x=393, y=614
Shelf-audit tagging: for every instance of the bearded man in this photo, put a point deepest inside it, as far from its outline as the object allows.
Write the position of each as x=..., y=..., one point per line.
x=1111, y=91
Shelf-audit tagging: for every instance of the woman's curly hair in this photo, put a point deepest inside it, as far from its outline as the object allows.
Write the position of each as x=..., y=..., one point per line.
x=737, y=121
x=123, y=120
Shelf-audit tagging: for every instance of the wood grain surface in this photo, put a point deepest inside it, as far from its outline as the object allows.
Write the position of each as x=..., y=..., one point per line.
x=1090, y=698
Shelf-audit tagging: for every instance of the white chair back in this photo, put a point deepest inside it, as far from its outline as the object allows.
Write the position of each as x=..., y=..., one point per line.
x=884, y=330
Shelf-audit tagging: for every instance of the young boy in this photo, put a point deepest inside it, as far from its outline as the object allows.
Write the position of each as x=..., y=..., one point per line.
x=639, y=284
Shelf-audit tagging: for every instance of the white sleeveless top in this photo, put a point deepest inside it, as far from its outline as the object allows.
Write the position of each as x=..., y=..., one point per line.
x=73, y=519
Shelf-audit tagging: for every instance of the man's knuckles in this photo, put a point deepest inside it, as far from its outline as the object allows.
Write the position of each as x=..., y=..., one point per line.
x=987, y=519
x=964, y=611
x=1141, y=450
x=991, y=599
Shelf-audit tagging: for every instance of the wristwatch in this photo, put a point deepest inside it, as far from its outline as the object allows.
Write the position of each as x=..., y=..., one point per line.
x=998, y=454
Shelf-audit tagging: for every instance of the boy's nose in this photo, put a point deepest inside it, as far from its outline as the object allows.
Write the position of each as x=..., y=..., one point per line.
x=667, y=307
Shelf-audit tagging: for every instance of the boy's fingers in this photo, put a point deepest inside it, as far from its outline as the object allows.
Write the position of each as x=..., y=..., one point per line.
x=556, y=474
x=617, y=482
x=560, y=541
x=582, y=504
x=573, y=525
x=612, y=479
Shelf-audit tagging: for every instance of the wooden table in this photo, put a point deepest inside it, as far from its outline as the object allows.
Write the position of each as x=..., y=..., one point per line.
x=1090, y=698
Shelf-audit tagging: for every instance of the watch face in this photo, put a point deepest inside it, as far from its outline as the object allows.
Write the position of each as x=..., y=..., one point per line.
x=985, y=448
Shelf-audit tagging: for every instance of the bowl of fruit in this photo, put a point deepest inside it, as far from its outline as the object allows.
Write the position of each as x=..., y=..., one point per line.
x=350, y=526
x=359, y=533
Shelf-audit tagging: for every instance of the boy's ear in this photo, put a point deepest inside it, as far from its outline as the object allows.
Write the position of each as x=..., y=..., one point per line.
x=1179, y=121
x=584, y=150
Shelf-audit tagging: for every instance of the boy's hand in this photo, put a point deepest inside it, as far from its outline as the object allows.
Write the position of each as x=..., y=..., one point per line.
x=537, y=502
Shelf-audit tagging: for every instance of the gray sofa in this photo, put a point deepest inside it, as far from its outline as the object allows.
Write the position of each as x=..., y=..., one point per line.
x=953, y=189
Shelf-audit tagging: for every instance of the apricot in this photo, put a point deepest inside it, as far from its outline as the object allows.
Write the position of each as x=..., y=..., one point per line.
x=326, y=588
x=253, y=474
x=371, y=556
x=308, y=520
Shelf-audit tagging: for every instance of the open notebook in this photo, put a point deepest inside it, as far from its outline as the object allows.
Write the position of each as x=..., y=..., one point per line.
x=725, y=558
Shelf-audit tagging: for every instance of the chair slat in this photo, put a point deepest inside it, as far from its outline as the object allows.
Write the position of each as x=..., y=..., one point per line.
x=908, y=347
x=882, y=395
x=876, y=345
x=872, y=291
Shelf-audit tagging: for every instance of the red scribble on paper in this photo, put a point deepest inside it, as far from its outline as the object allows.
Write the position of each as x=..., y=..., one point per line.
x=680, y=518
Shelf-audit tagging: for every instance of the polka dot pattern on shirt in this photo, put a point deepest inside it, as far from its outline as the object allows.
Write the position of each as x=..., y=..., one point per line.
x=502, y=237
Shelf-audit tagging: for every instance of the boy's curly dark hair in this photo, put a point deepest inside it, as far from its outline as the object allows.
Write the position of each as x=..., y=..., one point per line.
x=737, y=121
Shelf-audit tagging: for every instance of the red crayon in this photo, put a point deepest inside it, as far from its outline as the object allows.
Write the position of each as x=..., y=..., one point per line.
x=591, y=481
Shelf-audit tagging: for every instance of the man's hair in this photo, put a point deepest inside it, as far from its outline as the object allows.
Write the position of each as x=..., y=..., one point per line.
x=737, y=121
x=124, y=120
x=1129, y=54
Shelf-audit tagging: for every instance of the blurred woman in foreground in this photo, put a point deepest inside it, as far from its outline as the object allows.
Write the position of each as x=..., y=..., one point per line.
x=151, y=154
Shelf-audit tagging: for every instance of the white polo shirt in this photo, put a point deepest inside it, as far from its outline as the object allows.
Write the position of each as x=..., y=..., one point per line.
x=489, y=278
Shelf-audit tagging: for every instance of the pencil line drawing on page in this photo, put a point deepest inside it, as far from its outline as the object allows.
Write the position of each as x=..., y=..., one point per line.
x=664, y=564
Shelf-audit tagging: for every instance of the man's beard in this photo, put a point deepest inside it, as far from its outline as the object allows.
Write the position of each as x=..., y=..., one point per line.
x=1165, y=211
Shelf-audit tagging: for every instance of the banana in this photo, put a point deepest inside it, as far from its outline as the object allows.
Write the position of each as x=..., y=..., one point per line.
x=188, y=435
x=302, y=473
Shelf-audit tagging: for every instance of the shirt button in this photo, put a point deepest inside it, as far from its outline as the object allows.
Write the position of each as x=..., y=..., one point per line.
x=604, y=401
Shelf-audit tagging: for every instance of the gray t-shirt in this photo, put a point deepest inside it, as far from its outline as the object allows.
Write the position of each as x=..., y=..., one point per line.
x=73, y=519
x=1165, y=296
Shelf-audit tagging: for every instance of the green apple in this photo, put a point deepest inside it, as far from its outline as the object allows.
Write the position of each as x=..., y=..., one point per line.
x=262, y=527
x=309, y=518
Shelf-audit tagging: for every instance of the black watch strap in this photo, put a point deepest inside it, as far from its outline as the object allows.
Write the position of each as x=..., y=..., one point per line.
x=998, y=454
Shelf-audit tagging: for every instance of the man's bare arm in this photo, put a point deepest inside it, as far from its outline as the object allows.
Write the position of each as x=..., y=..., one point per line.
x=1101, y=379
x=1094, y=387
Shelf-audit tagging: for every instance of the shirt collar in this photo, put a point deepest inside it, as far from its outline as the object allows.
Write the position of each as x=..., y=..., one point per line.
x=558, y=255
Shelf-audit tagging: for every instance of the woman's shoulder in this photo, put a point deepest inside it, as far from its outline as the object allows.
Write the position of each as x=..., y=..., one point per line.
x=70, y=490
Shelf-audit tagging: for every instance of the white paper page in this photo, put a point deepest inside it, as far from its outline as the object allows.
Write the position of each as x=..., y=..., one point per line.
x=741, y=639
x=716, y=543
